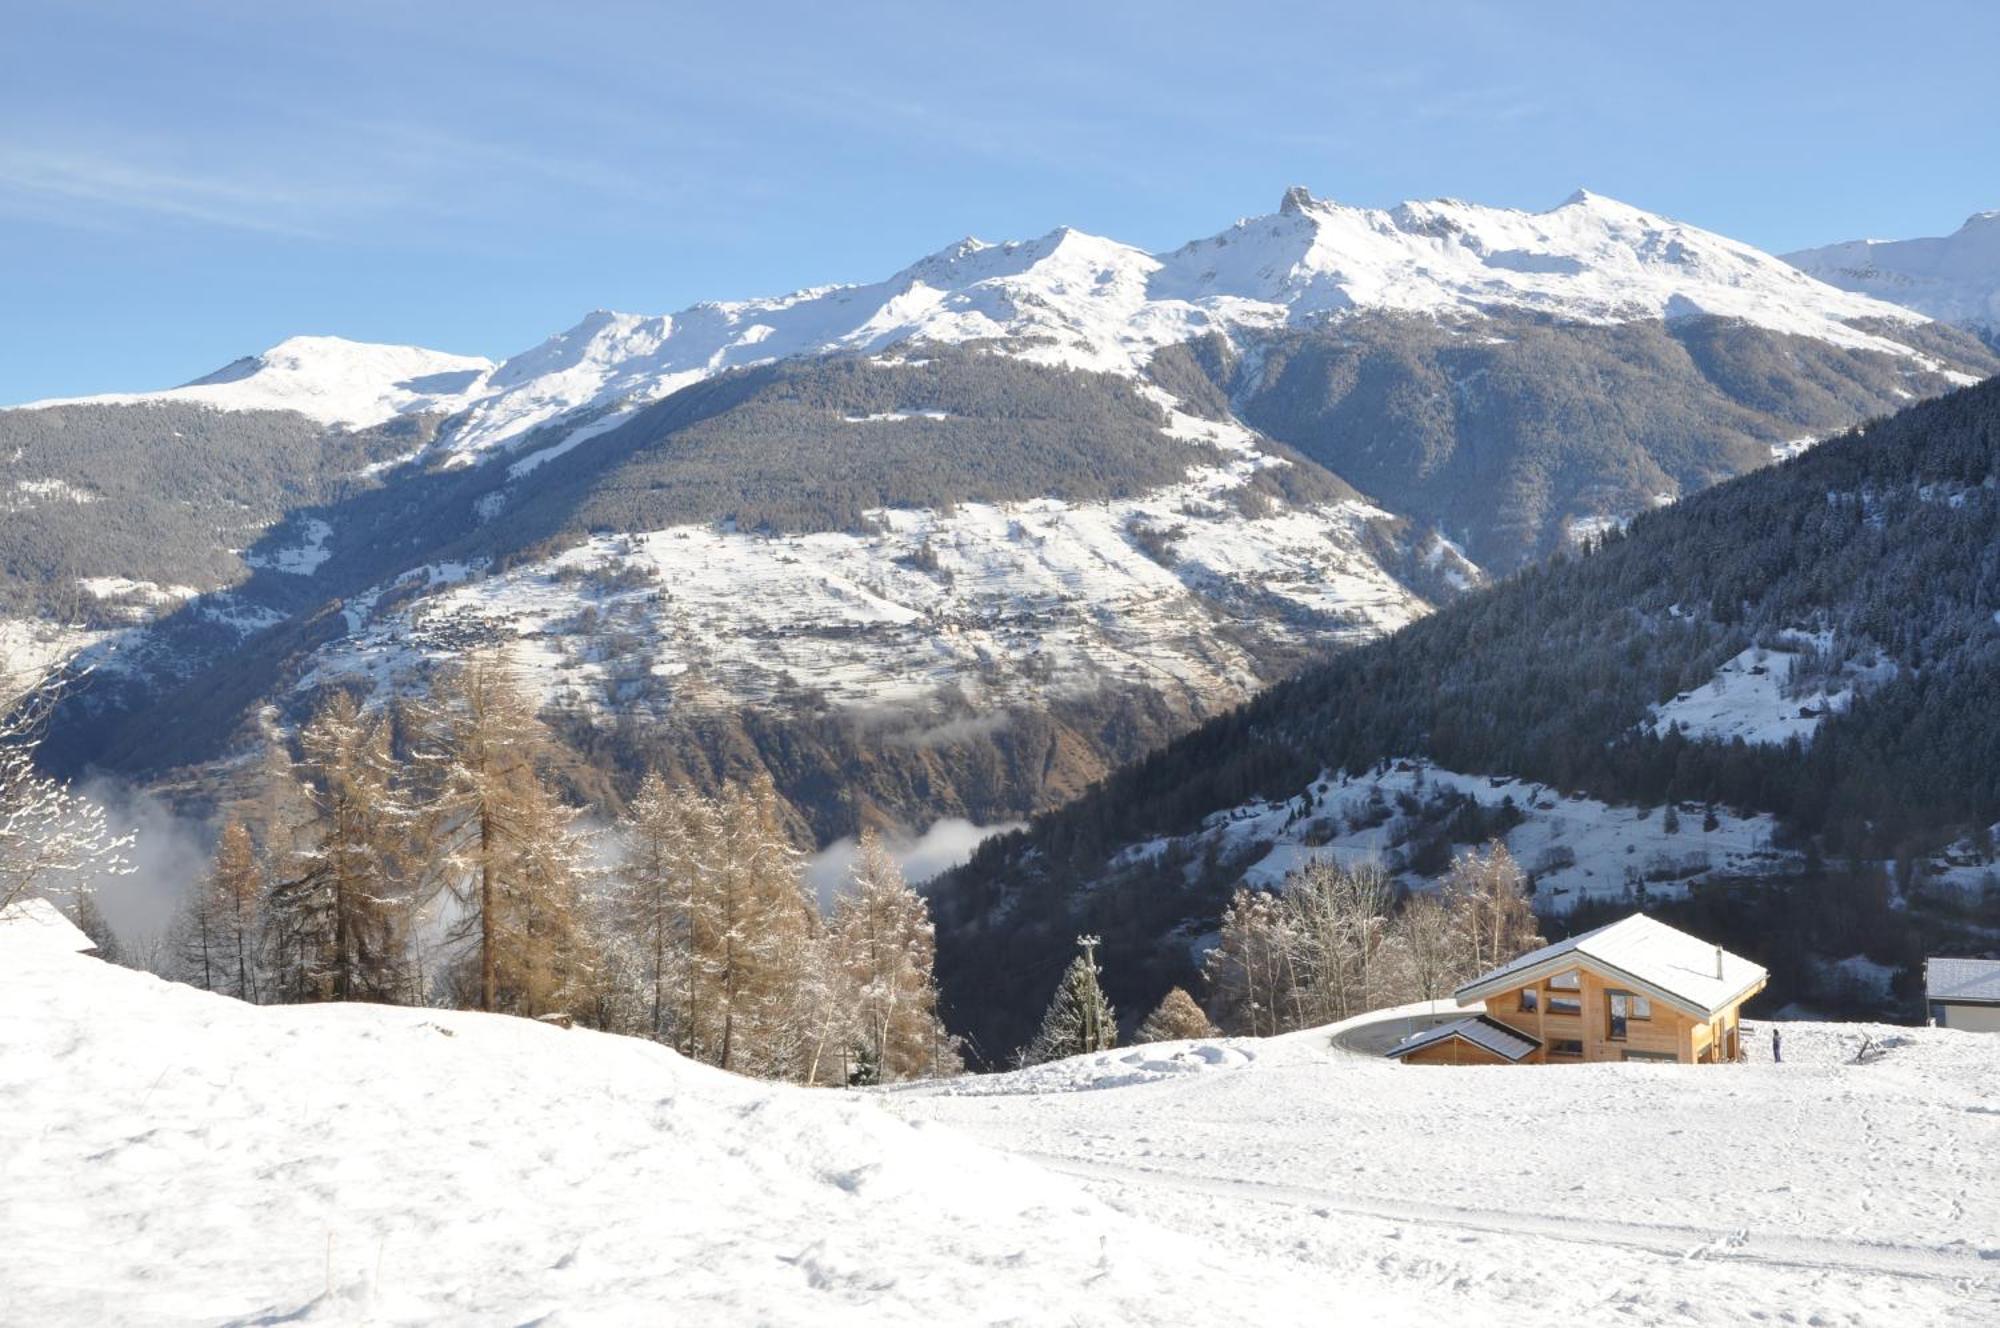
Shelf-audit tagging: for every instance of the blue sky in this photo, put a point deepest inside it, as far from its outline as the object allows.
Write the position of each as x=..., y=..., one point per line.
x=184, y=183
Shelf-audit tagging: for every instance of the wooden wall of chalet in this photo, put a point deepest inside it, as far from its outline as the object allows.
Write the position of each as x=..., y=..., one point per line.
x=1453, y=1051
x=1667, y=1033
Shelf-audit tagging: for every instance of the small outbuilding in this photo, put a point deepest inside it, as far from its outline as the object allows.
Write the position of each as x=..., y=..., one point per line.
x=1963, y=993
x=1635, y=990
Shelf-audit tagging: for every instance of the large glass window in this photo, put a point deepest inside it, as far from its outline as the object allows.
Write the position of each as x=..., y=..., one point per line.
x=1619, y=1004
x=1566, y=1047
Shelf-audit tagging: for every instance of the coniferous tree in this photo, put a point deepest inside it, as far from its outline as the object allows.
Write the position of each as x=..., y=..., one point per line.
x=1177, y=1019
x=216, y=937
x=1079, y=1019
x=90, y=920
x=762, y=930
x=482, y=739
x=670, y=840
x=883, y=941
x=338, y=924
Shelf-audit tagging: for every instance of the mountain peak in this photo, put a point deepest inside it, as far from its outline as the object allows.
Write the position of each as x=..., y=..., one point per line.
x=1296, y=200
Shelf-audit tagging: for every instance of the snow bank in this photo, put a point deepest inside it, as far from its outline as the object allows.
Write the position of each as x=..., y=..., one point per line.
x=174, y=1157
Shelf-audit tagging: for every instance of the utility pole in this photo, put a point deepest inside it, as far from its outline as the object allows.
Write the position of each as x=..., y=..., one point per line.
x=1090, y=1030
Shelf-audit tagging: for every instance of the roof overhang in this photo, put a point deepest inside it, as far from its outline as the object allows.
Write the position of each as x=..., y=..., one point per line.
x=1520, y=977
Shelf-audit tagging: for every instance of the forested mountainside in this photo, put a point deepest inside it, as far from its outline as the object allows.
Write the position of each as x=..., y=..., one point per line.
x=106, y=512
x=1522, y=433
x=1868, y=567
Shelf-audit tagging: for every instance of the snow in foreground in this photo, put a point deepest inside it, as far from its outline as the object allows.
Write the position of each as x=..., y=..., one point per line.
x=1817, y=1191
x=172, y=1157
x=168, y=1156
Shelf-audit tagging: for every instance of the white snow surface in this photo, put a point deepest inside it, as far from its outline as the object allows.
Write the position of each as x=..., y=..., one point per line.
x=1076, y=300
x=1747, y=698
x=1818, y=1191
x=302, y=559
x=1953, y=278
x=330, y=379
x=172, y=1157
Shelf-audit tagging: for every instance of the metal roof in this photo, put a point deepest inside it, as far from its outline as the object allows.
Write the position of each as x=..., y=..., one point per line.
x=1685, y=971
x=1487, y=1034
x=1973, y=980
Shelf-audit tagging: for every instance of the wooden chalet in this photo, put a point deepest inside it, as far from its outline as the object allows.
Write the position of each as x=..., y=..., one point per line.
x=1636, y=990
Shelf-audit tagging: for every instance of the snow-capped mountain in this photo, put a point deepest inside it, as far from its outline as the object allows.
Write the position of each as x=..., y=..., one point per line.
x=328, y=379
x=1055, y=500
x=1086, y=302
x=1953, y=278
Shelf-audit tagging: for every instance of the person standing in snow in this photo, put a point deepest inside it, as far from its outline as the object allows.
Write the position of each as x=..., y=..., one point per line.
x=1777, y=1047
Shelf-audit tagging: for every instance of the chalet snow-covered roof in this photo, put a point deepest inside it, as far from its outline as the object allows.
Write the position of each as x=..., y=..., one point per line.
x=1487, y=1034
x=40, y=923
x=1976, y=981
x=1661, y=961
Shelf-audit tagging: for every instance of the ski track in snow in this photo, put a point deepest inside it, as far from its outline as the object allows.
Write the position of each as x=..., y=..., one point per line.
x=1818, y=1191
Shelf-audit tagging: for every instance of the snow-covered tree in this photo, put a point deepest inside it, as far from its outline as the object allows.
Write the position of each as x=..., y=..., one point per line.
x=1424, y=950
x=757, y=942
x=1487, y=895
x=51, y=840
x=481, y=740
x=1079, y=1018
x=1177, y=1019
x=1250, y=972
x=671, y=838
x=884, y=942
x=1337, y=919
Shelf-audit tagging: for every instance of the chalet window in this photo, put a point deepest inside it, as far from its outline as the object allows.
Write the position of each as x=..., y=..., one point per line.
x=1641, y=1008
x=1667, y=1056
x=1566, y=1047
x=1570, y=981
x=1619, y=1005
x=1531, y=1000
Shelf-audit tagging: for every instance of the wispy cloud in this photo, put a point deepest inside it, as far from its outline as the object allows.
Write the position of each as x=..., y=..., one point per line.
x=94, y=183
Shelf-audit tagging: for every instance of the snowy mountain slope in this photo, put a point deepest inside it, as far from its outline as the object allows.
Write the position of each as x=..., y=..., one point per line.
x=1813, y=1190
x=328, y=379
x=1180, y=592
x=1087, y=302
x=1575, y=848
x=1953, y=278
x=1084, y=301
x=173, y=1157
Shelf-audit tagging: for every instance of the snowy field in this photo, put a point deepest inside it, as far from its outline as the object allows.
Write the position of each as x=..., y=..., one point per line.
x=1817, y=1191
x=171, y=1157
x=1750, y=697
